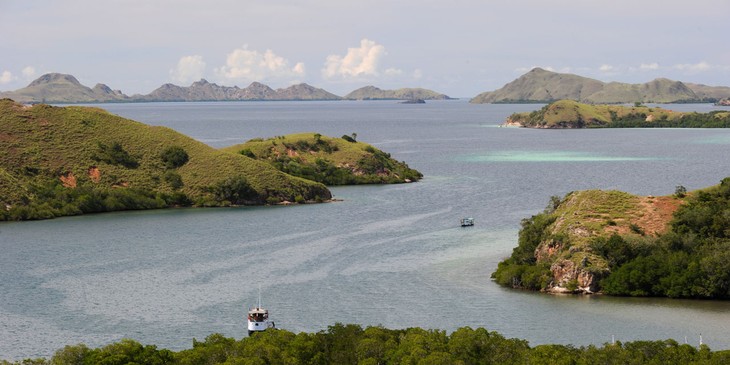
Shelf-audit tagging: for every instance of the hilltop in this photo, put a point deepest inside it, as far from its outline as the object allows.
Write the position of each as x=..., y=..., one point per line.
x=622, y=244
x=572, y=114
x=331, y=161
x=72, y=160
x=542, y=86
x=374, y=93
x=61, y=88
x=205, y=91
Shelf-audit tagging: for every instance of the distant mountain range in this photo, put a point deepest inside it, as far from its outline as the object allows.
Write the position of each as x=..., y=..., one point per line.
x=63, y=88
x=541, y=86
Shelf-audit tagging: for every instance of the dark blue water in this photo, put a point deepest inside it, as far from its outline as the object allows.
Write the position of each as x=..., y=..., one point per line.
x=390, y=255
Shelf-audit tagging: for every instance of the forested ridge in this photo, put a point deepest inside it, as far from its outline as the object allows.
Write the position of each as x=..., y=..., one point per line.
x=351, y=344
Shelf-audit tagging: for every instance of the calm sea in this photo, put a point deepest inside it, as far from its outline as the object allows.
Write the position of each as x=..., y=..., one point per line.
x=385, y=255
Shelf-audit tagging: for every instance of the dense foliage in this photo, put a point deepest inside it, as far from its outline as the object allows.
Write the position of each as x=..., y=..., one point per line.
x=351, y=344
x=714, y=119
x=692, y=260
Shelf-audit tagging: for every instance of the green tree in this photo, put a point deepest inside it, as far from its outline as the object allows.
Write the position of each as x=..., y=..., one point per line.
x=235, y=189
x=174, y=157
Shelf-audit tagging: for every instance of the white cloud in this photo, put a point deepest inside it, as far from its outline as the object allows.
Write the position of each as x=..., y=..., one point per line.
x=361, y=61
x=693, y=68
x=417, y=74
x=189, y=69
x=393, y=72
x=649, y=66
x=606, y=68
x=6, y=77
x=243, y=64
x=28, y=72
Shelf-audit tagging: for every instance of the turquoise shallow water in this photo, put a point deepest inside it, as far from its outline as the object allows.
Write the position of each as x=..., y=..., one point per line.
x=391, y=255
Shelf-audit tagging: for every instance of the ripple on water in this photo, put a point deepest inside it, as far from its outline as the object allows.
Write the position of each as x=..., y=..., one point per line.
x=548, y=156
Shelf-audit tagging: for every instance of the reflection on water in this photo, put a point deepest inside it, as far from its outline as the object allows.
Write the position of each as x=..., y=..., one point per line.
x=392, y=255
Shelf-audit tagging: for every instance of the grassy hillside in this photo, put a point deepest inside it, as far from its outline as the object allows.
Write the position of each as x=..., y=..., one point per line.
x=621, y=244
x=572, y=114
x=332, y=161
x=539, y=86
x=72, y=160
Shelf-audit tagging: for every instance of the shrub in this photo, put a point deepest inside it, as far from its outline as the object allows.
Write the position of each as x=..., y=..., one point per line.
x=247, y=152
x=115, y=155
x=174, y=157
x=174, y=179
x=234, y=189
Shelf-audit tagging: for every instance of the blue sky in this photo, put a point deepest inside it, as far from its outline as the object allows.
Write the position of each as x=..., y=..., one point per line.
x=457, y=47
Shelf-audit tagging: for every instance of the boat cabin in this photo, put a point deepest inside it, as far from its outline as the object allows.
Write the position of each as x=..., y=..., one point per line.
x=467, y=222
x=258, y=314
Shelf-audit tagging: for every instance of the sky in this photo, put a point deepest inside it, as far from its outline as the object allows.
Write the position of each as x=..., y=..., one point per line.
x=457, y=47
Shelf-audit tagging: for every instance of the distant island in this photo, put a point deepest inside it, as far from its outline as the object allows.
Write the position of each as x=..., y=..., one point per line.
x=60, y=161
x=617, y=243
x=62, y=88
x=572, y=114
x=374, y=93
x=542, y=86
x=331, y=161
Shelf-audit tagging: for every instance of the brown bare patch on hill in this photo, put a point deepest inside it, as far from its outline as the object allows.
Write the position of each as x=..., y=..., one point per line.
x=657, y=213
x=94, y=174
x=68, y=180
x=652, y=215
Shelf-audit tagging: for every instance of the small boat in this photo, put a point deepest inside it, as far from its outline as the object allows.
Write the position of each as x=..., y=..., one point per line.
x=258, y=319
x=467, y=222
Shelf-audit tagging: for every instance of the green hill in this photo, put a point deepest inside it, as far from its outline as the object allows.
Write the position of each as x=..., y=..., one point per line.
x=572, y=114
x=61, y=161
x=621, y=244
x=332, y=161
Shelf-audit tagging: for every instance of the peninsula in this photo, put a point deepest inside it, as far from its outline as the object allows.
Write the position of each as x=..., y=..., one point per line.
x=331, y=161
x=572, y=114
x=617, y=243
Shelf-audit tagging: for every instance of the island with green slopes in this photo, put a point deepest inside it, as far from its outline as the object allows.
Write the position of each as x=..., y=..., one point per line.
x=328, y=160
x=59, y=161
x=572, y=114
x=351, y=344
x=543, y=86
x=616, y=243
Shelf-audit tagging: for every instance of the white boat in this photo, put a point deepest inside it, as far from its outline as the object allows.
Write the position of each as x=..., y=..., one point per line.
x=467, y=222
x=258, y=319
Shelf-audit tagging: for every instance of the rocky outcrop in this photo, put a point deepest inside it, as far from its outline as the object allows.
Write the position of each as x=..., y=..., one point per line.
x=723, y=102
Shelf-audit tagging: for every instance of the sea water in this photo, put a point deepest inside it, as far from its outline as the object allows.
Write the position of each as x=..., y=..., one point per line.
x=391, y=255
